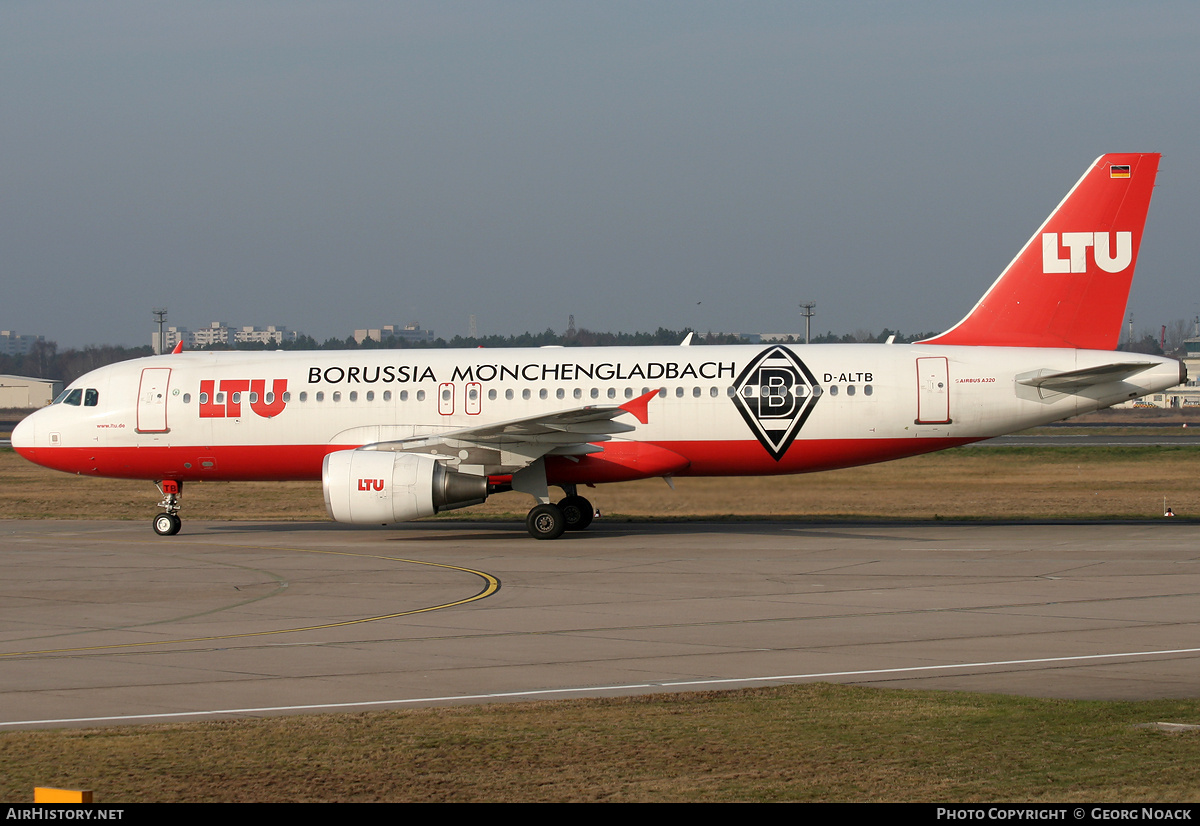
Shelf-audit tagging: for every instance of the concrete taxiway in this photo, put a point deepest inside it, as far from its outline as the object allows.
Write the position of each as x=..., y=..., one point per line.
x=105, y=623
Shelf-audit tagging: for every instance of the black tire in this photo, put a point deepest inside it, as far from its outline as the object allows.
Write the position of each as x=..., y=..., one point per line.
x=545, y=522
x=167, y=524
x=577, y=511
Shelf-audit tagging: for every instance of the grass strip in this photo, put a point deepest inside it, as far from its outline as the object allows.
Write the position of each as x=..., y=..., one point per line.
x=813, y=742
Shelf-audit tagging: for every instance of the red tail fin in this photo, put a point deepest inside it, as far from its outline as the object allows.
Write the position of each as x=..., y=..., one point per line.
x=1069, y=284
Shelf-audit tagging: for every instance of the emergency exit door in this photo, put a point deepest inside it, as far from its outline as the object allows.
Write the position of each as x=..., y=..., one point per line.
x=152, y=400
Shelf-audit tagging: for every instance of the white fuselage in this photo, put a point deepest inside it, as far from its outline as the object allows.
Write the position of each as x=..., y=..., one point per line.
x=223, y=415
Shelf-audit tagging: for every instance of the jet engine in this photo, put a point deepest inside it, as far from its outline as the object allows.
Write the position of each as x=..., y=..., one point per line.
x=366, y=487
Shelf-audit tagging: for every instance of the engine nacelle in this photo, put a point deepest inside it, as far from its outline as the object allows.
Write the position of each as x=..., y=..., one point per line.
x=365, y=487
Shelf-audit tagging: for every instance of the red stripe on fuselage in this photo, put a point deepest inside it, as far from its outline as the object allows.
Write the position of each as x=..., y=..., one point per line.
x=620, y=461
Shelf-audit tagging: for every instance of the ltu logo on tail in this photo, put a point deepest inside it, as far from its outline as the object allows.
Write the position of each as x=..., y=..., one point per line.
x=1077, y=244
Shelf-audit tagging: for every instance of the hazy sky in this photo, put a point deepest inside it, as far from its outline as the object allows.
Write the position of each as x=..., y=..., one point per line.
x=333, y=165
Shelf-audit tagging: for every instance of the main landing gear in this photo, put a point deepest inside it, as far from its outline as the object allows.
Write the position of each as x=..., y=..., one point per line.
x=168, y=522
x=547, y=520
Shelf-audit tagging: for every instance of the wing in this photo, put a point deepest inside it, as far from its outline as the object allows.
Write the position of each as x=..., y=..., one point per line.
x=506, y=447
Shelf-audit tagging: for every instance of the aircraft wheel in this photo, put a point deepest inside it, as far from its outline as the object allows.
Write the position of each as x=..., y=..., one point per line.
x=546, y=522
x=577, y=511
x=167, y=524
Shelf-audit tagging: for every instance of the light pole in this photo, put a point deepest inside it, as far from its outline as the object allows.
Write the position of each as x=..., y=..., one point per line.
x=807, y=306
x=161, y=315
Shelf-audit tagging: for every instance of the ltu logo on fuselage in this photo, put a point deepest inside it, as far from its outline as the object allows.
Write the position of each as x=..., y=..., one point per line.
x=1077, y=244
x=228, y=404
x=775, y=394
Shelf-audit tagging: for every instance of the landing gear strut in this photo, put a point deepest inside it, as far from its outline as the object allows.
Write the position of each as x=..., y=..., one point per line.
x=168, y=522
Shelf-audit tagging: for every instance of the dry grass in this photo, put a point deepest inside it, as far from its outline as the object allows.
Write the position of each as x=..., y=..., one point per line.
x=966, y=483
x=799, y=743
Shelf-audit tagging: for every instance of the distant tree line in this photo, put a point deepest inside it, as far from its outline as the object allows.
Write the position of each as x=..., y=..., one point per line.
x=44, y=361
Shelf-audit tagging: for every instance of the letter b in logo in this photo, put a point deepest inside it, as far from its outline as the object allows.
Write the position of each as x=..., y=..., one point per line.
x=775, y=397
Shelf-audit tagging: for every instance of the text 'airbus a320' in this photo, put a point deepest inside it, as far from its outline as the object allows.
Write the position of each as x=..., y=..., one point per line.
x=398, y=435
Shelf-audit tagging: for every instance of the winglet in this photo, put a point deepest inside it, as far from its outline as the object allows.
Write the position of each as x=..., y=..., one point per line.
x=177, y=349
x=639, y=407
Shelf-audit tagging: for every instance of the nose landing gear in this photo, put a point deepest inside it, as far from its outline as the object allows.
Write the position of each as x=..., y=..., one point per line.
x=168, y=522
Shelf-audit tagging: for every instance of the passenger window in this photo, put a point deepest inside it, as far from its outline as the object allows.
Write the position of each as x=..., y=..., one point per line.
x=560, y=393
x=833, y=389
x=595, y=392
x=353, y=396
x=337, y=395
x=679, y=392
x=320, y=395
x=695, y=392
x=867, y=390
x=577, y=392
x=370, y=395
x=849, y=389
x=387, y=395
x=420, y=395
x=303, y=397
x=508, y=395
x=525, y=394
x=612, y=392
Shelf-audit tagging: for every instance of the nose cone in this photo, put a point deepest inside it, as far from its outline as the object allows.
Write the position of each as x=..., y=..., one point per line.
x=24, y=435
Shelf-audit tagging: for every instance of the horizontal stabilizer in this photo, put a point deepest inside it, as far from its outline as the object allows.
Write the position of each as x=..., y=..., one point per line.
x=1073, y=380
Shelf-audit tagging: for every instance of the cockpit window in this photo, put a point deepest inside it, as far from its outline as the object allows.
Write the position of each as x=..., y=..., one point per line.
x=91, y=397
x=71, y=397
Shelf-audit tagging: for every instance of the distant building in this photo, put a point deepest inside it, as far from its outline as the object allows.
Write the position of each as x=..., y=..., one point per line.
x=12, y=344
x=219, y=332
x=409, y=332
x=25, y=391
x=265, y=335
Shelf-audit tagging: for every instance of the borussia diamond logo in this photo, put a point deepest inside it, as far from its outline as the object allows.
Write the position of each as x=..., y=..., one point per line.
x=775, y=394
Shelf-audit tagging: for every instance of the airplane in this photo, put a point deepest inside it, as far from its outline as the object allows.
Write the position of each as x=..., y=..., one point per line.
x=396, y=435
